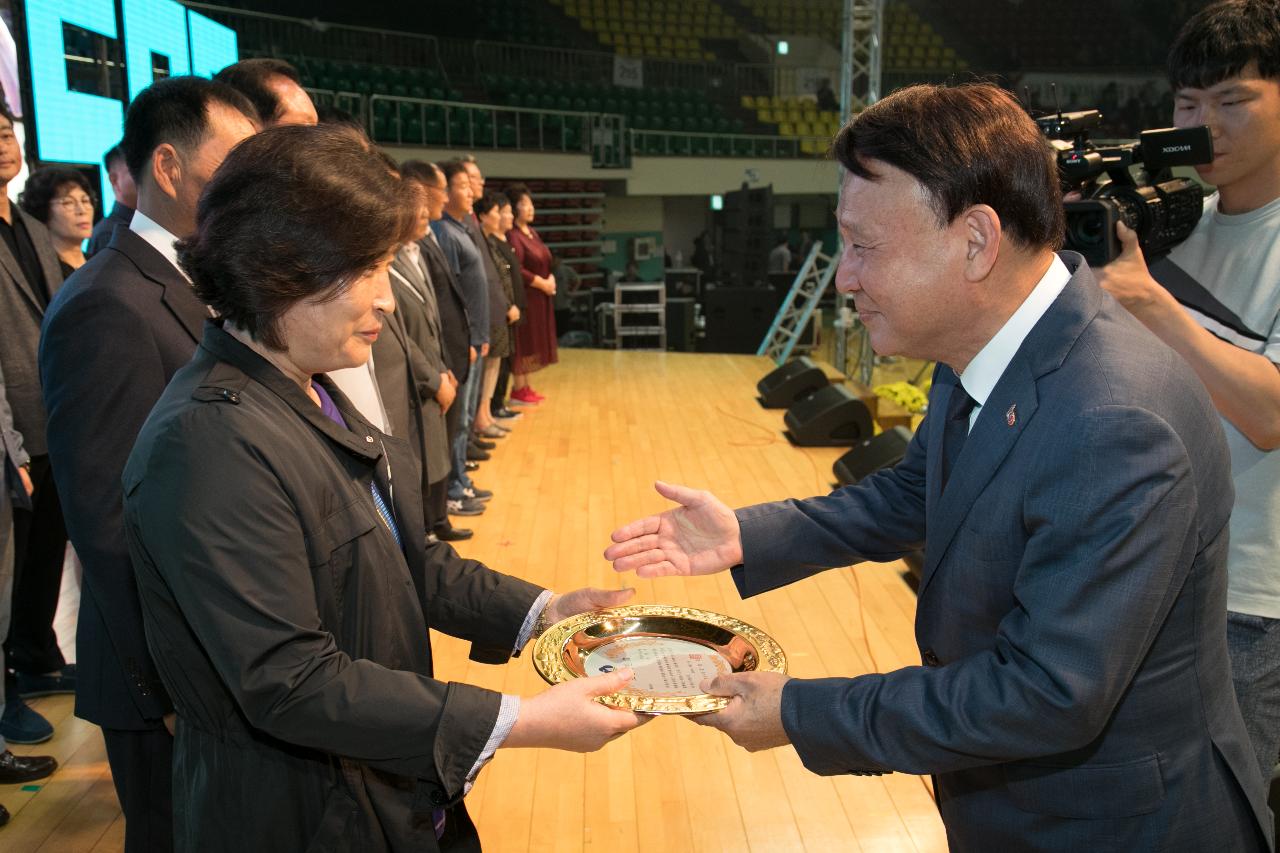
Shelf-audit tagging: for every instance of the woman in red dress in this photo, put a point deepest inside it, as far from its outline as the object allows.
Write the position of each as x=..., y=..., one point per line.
x=536, y=337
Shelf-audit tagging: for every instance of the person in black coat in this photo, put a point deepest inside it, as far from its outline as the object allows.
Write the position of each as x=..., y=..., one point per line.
x=287, y=594
x=455, y=325
x=114, y=335
x=126, y=200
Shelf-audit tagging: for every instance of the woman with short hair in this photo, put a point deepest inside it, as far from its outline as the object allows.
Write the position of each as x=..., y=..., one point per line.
x=536, y=337
x=62, y=198
x=488, y=211
x=286, y=583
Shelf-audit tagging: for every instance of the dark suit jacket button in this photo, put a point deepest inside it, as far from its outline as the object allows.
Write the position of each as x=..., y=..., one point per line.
x=929, y=658
x=439, y=798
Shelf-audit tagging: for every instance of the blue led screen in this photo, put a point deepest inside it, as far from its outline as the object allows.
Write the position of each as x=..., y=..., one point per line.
x=77, y=127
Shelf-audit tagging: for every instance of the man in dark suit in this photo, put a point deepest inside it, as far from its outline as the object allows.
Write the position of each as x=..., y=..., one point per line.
x=29, y=277
x=123, y=325
x=410, y=357
x=1071, y=489
x=454, y=325
x=126, y=194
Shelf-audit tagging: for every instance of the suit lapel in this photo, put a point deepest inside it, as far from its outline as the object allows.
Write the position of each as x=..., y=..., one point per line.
x=44, y=252
x=1006, y=414
x=10, y=265
x=1012, y=404
x=177, y=296
x=48, y=256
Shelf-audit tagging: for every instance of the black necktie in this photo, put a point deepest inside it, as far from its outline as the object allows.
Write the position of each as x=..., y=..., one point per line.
x=956, y=429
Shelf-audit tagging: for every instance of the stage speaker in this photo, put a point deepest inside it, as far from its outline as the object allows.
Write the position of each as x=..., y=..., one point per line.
x=870, y=455
x=830, y=417
x=790, y=383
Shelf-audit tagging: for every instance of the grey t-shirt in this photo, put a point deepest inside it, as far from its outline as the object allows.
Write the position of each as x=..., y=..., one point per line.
x=1237, y=260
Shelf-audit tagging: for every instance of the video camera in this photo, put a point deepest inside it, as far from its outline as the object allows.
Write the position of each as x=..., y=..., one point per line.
x=1162, y=209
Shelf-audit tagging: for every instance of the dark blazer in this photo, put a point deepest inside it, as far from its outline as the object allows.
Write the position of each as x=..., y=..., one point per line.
x=517, y=280
x=114, y=336
x=1076, y=690
x=291, y=630
x=455, y=322
x=419, y=329
x=498, y=300
x=121, y=214
x=21, y=313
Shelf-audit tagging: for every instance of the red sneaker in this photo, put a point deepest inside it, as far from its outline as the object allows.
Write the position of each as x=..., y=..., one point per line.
x=524, y=395
x=537, y=398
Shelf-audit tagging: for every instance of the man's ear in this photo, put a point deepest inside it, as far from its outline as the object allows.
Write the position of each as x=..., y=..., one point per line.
x=982, y=232
x=166, y=169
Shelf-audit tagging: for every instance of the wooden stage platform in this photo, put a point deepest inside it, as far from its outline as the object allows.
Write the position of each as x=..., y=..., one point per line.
x=575, y=468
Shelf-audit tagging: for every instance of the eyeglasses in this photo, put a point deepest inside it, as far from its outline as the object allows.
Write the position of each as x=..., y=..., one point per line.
x=68, y=202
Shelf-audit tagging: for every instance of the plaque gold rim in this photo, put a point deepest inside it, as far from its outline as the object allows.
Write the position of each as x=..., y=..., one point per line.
x=549, y=655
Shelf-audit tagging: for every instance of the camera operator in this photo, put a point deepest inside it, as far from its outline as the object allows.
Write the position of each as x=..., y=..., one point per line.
x=1224, y=68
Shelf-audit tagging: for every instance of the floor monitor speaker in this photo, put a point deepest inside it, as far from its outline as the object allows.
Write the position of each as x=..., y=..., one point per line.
x=790, y=383
x=830, y=417
x=870, y=455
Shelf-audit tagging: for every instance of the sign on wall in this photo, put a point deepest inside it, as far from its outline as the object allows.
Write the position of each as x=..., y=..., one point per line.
x=78, y=127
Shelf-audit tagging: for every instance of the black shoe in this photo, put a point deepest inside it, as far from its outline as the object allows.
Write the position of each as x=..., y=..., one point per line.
x=20, y=724
x=472, y=465
x=454, y=534
x=505, y=414
x=25, y=768
x=481, y=495
x=4, y=815
x=34, y=686
x=476, y=454
x=482, y=444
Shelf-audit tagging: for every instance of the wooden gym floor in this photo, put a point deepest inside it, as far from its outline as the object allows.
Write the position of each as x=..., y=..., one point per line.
x=575, y=468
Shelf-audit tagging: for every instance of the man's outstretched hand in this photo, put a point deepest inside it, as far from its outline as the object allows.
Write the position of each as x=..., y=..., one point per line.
x=699, y=537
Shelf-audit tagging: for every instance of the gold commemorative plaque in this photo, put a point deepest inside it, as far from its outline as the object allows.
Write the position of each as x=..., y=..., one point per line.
x=671, y=649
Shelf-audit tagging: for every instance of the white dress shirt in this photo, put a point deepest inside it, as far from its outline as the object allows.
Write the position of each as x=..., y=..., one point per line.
x=980, y=377
x=158, y=236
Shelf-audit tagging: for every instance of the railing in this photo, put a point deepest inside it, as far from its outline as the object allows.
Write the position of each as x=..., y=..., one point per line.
x=280, y=35
x=604, y=136
x=685, y=144
x=420, y=121
x=593, y=65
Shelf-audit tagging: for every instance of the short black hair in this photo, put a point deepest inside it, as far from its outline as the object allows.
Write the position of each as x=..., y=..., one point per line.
x=451, y=168
x=174, y=110
x=5, y=112
x=968, y=144
x=250, y=77
x=43, y=186
x=294, y=213
x=114, y=156
x=488, y=202
x=1221, y=39
x=427, y=174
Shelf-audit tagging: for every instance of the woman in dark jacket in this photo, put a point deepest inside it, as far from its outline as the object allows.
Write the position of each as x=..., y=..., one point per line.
x=286, y=584
x=488, y=211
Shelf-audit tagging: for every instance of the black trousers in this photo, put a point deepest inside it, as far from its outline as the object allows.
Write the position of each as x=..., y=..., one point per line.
x=142, y=770
x=504, y=382
x=436, y=507
x=40, y=547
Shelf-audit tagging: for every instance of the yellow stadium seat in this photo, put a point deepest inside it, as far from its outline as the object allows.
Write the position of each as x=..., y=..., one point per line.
x=786, y=129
